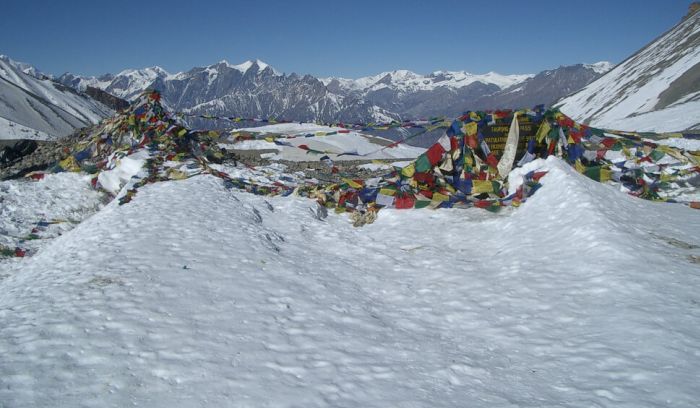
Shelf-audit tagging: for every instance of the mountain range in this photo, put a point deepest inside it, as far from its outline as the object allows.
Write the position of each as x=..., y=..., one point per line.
x=255, y=89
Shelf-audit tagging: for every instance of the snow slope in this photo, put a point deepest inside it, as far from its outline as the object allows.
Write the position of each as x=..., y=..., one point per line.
x=311, y=135
x=194, y=295
x=656, y=89
x=46, y=108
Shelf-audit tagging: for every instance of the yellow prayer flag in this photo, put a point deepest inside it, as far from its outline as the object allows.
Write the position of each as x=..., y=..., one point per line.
x=69, y=164
x=543, y=131
x=440, y=197
x=352, y=183
x=470, y=128
x=482, y=186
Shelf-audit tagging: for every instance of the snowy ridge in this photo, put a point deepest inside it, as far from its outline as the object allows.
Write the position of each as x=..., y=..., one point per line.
x=407, y=81
x=24, y=67
x=130, y=83
x=47, y=107
x=28, y=69
x=250, y=89
x=253, y=88
x=582, y=297
x=600, y=67
x=650, y=91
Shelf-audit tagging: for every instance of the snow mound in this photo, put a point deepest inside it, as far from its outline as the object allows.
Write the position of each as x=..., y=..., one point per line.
x=584, y=296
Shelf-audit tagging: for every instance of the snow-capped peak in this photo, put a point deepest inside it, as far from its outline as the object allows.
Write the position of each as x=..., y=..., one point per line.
x=150, y=72
x=24, y=67
x=405, y=80
x=600, y=67
x=244, y=67
x=261, y=64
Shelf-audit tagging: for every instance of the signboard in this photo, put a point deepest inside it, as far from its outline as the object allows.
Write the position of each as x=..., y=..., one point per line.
x=496, y=135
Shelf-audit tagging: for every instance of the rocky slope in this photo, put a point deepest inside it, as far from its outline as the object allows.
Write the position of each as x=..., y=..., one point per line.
x=544, y=88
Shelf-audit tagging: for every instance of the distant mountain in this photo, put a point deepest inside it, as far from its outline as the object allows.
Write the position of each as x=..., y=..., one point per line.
x=32, y=106
x=251, y=89
x=413, y=95
x=544, y=88
x=255, y=89
x=656, y=89
x=403, y=81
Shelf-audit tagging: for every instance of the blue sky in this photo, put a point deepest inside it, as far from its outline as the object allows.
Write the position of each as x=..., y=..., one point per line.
x=330, y=38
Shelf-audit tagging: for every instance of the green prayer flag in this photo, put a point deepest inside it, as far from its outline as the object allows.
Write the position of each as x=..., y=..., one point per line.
x=423, y=164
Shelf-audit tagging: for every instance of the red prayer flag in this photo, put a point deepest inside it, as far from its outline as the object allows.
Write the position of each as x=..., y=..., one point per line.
x=492, y=160
x=435, y=153
x=538, y=175
x=404, y=202
x=482, y=203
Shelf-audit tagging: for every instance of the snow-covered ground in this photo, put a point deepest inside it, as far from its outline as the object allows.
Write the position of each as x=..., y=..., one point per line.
x=680, y=143
x=194, y=295
x=60, y=200
x=313, y=136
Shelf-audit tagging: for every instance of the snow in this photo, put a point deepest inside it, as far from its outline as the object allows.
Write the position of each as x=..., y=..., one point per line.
x=244, y=67
x=25, y=67
x=65, y=196
x=375, y=166
x=251, y=145
x=680, y=143
x=124, y=169
x=132, y=82
x=193, y=295
x=291, y=128
x=600, y=67
x=312, y=135
x=41, y=107
x=677, y=117
x=12, y=131
x=407, y=81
